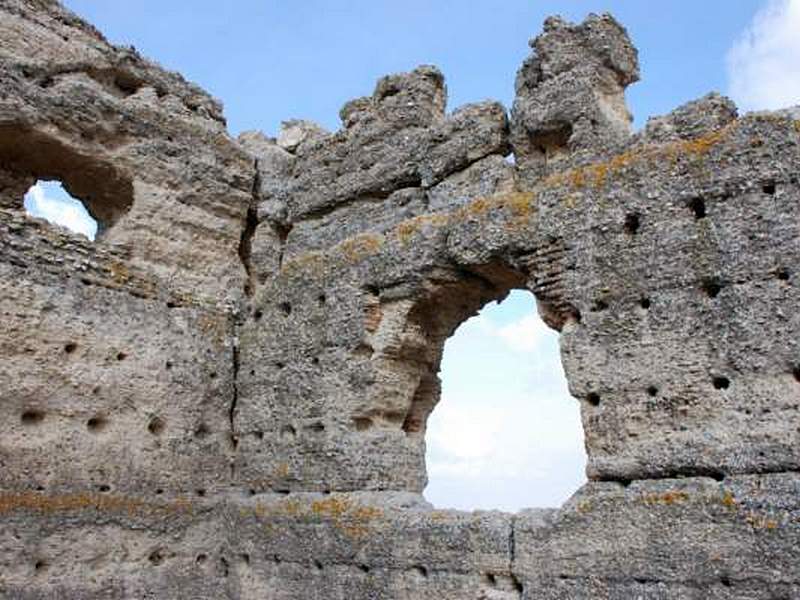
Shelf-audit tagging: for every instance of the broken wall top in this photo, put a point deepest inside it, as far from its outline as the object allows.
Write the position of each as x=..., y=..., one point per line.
x=227, y=393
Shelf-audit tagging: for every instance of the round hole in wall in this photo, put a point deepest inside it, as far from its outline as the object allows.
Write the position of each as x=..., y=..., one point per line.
x=156, y=426
x=32, y=416
x=721, y=383
x=97, y=424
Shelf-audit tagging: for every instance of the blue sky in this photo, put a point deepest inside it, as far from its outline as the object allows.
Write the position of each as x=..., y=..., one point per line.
x=270, y=60
x=506, y=433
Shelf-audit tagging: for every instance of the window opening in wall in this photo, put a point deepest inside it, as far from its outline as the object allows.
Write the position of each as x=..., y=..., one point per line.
x=506, y=433
x=49, y=200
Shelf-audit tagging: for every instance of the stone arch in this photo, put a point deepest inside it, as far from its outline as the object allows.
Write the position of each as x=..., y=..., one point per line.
x=406, y=343
x=30, y=154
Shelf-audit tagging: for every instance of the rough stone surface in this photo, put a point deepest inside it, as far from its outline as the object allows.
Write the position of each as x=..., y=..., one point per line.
x=225, y=396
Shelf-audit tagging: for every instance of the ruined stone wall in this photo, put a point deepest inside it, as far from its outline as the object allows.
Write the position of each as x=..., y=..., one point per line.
x=226, y=395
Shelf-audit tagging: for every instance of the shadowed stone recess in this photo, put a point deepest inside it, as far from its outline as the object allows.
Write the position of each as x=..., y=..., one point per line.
x=226, y=395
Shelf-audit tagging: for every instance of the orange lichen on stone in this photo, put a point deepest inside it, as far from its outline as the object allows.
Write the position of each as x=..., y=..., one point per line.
x=761, y=522
x=333, y=507
x=119, y=272
x=407, y=229
x=666, y=498
x=360, y=246
x=701, y=145
x=728, y=499
x=31, y=501
x=519, y=203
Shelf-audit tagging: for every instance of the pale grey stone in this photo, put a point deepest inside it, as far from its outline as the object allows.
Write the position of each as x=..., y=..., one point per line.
x=226, y=395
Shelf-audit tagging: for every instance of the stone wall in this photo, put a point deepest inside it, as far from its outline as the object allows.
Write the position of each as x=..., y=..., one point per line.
x=225, y=396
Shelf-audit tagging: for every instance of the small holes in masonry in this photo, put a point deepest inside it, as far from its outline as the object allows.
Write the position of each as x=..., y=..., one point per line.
x=322, y=299
x=121, y=356
x=39, y=566
x=698, y=207
x=599, y=305
x=712, y=288
x=259, y=435
x=32, y=417
x=491, y=579
x=645, y=303
x=201, y=559
x=159, y=491
x=632, y=224
x=652, y=391
x=318, y=565
x=317, y=427
x=201, y=493
x=156, y=426
x=168, y=365
x=783, y=274
x=362, y=423
x=721, y=383
x=201, y=431
x=796, y=373
x=103, y=489
x=213, y=375
x=156, y=557
x=593, y=398
x=315, y=361
x=96, y=424
x=422, y=571
x=245, y=558
x=364, y=568
x=285, y=308
x=258, y=314
x=769, y=188
x=70, y=347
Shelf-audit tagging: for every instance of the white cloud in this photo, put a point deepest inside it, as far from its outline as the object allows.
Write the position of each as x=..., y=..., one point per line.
x=764, y=63
x=49, y=201
x=506, y=433
x=524, y=335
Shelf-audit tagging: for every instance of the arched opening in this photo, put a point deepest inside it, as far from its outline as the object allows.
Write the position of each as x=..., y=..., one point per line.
x=49, y=200
x=104, y=189
x=506, y=433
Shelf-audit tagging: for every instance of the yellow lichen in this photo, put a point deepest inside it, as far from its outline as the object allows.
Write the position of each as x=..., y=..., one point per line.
x=86, y=501
x=333, y=507
x=728, y=499
x=666, y=498
x=119, y=272
x=406, y=230
x=599, y=174
x=360, y=246
x=700, y=146
x=519, y=203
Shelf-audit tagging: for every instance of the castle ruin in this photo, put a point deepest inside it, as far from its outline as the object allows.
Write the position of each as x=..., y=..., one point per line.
x=226, y=395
